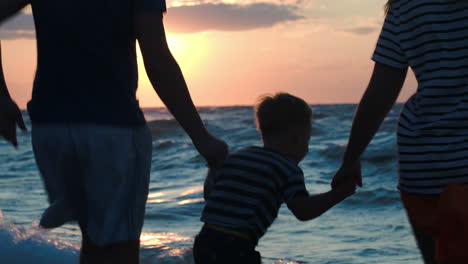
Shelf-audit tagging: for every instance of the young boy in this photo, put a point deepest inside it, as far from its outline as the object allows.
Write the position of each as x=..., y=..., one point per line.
x=243, y=197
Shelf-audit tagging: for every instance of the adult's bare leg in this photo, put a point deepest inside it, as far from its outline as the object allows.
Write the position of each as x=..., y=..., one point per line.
x=118, y=253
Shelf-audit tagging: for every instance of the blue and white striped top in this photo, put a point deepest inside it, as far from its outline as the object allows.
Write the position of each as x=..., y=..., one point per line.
x=250, y=188
x=431, y=37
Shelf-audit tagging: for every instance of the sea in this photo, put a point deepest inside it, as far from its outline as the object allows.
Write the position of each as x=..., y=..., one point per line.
x=369, y=227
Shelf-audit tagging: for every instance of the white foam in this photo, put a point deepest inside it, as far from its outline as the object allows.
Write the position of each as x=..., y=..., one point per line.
x=21, y=246
x=32, y=245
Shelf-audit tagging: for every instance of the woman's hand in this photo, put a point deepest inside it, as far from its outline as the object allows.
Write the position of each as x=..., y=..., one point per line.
x=212, y=149
x=346, y=172
x=10, y=116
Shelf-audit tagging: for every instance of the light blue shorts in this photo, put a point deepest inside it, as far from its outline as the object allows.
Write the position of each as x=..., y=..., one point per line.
x=97, y=175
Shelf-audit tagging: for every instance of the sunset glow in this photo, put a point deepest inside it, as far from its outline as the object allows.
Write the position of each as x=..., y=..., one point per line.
x=190, y=52
x=233, y=51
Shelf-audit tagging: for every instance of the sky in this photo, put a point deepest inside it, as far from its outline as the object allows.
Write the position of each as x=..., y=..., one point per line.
x=233, y=51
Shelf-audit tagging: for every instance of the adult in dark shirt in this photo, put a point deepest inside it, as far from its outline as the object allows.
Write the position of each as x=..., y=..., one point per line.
x=90, y=138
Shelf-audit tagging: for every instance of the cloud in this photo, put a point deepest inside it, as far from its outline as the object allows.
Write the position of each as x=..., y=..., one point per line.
x=297, y=3
x=20, y=26
x=362, y=30
x=190, y=18
x=229, y=17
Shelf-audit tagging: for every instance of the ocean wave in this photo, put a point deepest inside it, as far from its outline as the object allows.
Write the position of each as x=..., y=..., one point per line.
x=377, y=197
x=165, y=248
x=373, y=213
x=163, y=144
x=21, y=245
x=166, y=255
x=382, y=149
x=161, y=128
x=332, y=151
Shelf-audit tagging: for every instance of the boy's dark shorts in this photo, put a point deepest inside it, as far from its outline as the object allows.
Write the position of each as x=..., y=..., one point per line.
x=215, y=247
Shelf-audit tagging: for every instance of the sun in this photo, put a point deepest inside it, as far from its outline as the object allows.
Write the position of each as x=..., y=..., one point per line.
x=190, y=51
x=176, y=44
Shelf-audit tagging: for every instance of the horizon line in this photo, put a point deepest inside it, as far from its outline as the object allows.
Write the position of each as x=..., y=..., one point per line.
x=238, y=105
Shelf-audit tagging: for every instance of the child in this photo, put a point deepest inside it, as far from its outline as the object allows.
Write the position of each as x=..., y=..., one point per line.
x=243, y=197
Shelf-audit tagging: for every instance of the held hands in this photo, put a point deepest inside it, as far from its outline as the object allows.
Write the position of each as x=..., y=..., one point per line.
x=345, y=189
x=10, y=116
x=348, y=172
x=212, y=149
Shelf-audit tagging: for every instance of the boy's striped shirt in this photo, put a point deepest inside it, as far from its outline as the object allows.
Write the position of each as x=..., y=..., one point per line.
x=430, y=36
x=250, y=188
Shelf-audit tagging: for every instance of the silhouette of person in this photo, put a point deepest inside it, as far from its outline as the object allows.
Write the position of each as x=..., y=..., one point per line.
x=90, y=139
x=431, y=37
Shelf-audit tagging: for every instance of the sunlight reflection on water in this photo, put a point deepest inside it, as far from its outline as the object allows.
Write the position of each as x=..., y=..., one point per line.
x=189, y=201
x=158, y=239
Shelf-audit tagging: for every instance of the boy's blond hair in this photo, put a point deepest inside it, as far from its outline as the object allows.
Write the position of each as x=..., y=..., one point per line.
x=277, y=113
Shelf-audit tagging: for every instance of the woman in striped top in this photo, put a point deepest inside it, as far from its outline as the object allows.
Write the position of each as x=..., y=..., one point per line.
x=431, y=37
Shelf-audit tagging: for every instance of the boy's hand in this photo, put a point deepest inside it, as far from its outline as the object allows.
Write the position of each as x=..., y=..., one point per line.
x=10, y=116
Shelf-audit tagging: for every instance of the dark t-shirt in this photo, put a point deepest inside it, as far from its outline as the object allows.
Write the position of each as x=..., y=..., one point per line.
x=87, y=67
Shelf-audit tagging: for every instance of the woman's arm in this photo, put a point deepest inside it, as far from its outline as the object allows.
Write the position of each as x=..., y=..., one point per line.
x=3, y=88
x=381, y=94
x=10, y=114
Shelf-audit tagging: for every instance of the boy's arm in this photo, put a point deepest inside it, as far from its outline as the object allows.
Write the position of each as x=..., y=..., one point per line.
x=168, y=82
x=309, y=207
x=10, y=7
x=10, y=114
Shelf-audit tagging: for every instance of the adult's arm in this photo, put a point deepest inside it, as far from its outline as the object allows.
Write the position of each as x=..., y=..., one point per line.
x=381, y=94
x=3, y=88
x=7, y=9
x=169, y=83
x=10, y=7
x=10, y=114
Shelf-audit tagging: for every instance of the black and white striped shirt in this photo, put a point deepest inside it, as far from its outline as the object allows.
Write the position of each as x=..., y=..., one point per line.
x=431, y=37
x=250, y=188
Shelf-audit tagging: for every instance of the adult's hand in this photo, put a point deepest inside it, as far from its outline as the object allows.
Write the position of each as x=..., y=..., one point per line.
x=10, y=116
x=347, y=172
x=213, y=150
